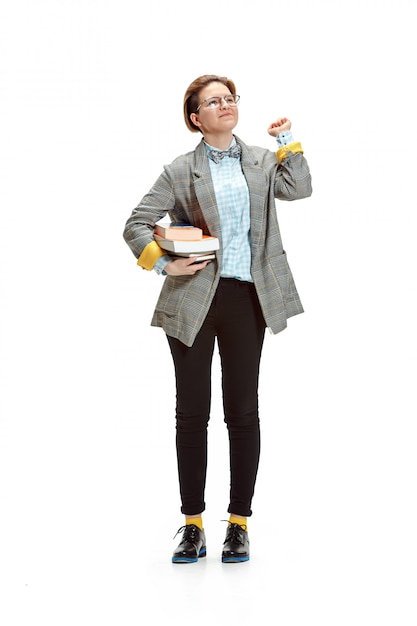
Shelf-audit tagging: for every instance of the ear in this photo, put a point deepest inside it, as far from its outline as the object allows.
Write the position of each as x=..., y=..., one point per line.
x=195, y=119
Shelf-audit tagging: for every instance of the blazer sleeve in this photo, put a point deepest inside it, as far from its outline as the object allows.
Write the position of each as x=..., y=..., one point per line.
x=292, y=175
x=139, y=228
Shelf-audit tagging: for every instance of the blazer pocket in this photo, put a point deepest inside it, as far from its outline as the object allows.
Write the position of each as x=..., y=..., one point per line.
x=281, y=272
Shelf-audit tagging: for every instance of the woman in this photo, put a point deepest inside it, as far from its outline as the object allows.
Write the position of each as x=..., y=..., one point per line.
x=233, y=298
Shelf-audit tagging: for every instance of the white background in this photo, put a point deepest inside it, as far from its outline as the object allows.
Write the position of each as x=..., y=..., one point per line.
x=90, y=110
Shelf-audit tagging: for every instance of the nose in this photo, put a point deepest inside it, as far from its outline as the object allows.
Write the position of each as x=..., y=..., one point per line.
x=223, y=103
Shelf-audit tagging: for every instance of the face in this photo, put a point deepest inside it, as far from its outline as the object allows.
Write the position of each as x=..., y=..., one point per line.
x=218, y=120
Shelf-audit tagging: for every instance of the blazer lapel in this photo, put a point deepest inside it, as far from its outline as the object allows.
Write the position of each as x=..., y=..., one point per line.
x=204, y=191
x=257, y=185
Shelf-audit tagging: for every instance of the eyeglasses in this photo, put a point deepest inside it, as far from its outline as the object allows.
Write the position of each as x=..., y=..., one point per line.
x=232, y=100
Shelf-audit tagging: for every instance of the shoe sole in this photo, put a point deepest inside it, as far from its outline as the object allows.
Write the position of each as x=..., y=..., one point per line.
x=194, y=559
x=234, y=559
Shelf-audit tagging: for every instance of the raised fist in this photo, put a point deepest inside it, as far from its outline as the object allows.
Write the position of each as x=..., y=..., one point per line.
x=279, y=126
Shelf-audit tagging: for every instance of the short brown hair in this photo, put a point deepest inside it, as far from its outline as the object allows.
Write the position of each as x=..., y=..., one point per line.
x=191, y=95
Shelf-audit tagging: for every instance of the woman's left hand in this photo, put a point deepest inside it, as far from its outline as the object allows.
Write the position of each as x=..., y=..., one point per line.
x=279, y=126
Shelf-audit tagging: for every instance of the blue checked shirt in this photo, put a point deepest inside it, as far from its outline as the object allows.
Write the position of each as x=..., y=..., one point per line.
x=232, y=198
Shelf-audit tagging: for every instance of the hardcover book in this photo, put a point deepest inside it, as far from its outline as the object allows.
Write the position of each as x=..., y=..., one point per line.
x=199, y=256
x=205, y=244
x=178, y=232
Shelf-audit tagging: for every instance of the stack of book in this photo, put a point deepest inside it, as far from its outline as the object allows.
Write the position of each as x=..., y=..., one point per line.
x=185, y=240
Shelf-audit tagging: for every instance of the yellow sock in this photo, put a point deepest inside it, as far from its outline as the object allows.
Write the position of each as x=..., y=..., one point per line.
x=242, y=521
x=197, y=521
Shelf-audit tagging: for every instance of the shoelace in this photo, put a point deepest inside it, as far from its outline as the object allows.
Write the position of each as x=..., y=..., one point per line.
x=234, y=532
x=190, y=532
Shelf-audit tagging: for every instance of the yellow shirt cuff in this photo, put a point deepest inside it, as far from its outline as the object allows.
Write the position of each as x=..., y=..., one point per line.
x=292, y=148
x=150, y=254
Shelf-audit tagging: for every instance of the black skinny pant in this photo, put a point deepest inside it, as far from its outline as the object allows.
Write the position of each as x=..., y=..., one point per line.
x=236, y=319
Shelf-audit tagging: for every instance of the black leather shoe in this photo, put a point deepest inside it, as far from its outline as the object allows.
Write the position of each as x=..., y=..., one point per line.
x=192, y=546
x=236, y=544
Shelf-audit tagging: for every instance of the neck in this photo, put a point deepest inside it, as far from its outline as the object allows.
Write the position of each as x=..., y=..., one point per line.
x=219, y=141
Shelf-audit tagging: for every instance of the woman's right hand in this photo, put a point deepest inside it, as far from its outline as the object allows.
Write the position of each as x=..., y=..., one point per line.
x=279, y=126
x=185, y=266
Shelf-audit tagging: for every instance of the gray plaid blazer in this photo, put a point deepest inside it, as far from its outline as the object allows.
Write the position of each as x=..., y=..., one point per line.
x=185, y=191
